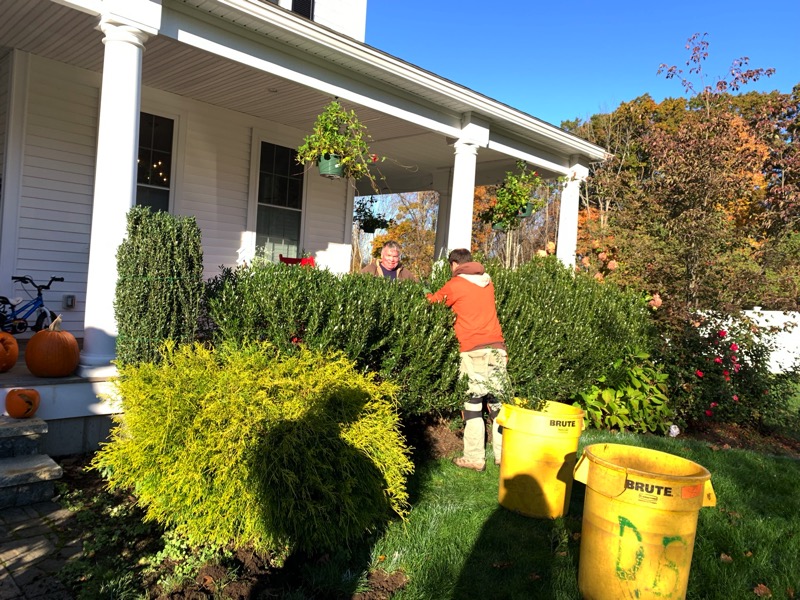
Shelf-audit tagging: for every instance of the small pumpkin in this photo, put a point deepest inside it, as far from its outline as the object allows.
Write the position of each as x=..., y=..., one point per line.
x=52, y=352
x=9, y=351
x=22, y=403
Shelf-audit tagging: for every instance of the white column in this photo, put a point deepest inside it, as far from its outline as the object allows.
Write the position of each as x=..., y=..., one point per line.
x=114, y=185
x=459, y=230
x=568, y=216
x=442, y=183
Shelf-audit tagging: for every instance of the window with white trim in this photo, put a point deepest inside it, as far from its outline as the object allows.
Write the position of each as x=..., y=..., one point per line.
x=280, y=200
x=154, y=164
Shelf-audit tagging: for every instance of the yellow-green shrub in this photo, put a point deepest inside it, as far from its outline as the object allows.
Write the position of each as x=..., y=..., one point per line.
x=246, y=445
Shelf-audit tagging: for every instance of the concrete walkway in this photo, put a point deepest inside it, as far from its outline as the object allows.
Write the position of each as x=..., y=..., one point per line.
x=35, y=544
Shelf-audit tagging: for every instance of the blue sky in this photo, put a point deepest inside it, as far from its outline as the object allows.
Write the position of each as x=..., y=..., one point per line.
x=560, y=61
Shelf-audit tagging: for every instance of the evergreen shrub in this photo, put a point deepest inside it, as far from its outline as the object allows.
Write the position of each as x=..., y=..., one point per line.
x=160, y=287
x=386, y=328
x=565, y=331
x=252, y=446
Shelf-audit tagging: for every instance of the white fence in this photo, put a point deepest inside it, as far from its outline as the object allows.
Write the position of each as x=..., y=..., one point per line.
x=787, y=341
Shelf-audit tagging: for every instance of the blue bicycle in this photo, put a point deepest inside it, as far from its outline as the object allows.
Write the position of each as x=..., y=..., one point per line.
x=14, y=313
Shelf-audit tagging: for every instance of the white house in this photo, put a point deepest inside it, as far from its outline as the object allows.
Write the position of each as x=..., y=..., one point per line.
x=209, y=98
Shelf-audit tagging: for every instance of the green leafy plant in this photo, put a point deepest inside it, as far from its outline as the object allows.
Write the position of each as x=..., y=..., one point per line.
x=160, y=284
x=368, y=220
x=514, y=199
x=719, y=367
x=635, y=400
x=245, y=445
x=338, y=131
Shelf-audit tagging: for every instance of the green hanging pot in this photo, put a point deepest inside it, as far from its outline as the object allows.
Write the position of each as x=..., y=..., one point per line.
x=330, y=166
x=527, y=211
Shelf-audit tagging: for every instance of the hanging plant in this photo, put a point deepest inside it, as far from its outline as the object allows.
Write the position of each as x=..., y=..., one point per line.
x=366, y=217
x=515, y=199
x=339, y=145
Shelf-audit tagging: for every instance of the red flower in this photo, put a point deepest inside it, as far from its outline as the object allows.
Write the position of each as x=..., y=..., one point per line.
x=722, y=333
x=734, y=358
x=734, y=346
x=714, y=405
x=736, y=367
x=726, y=375
x=735, y=398
x=709, y=413
x=699, y=373
x=718, y=360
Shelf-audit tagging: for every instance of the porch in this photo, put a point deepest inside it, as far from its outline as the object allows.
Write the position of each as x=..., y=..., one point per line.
x=77, y=417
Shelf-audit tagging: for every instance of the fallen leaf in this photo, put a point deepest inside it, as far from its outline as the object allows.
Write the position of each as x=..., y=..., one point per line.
x=382, y=558
x=576, y=536
x=562, y=553
x=726, y=446
x=790, y=592
x=534, y=577
x=748, y=554
x=725, y=558
x=713, y=447
x=762, y=591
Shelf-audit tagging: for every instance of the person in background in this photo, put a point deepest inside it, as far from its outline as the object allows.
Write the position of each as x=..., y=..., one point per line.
x=470, y=294
x=388, y=265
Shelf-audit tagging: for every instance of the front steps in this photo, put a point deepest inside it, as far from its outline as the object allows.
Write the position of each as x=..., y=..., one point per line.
x=26, y=476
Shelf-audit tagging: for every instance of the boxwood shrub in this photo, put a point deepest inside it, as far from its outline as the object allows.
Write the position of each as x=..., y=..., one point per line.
x=564, y=331
x=389, y=329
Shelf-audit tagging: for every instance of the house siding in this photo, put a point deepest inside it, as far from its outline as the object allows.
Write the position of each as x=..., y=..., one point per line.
x=5, y=73
x=211, y=181
x=55, y=201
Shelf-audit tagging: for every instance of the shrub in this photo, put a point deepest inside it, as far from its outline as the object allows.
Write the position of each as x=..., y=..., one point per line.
x=565, y=331
x=390, y=329
x=719, y=371
x=248, y=446
x=633, y=399
x=160, y=284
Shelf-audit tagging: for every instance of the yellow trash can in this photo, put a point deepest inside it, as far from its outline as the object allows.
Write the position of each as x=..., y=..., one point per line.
x=639, y=521
x=539, y=453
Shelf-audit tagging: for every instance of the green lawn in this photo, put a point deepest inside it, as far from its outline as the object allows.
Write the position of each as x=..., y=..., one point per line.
x=459, y=543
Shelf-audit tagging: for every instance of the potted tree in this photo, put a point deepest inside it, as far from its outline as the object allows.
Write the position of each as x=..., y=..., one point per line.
x=366, y=217
x=515, y=199
x=338, y=144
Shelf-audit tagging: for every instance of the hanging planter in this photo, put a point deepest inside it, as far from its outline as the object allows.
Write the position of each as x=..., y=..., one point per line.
x=339, y=145
x=330, y=165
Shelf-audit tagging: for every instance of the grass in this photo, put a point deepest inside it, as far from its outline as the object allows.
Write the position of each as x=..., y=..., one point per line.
x=458, y=543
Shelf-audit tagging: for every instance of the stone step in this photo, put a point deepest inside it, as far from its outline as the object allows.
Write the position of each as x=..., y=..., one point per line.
x=20, y=437
x=27, y=479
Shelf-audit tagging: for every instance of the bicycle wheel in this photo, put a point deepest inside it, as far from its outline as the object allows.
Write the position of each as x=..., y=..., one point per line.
x=44, y=319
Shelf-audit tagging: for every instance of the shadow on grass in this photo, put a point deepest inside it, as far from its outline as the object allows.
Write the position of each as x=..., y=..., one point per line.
x=518, y=556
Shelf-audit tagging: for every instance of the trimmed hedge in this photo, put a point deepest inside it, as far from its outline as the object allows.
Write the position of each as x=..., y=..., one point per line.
x=251, y=446
x=389, y=329
x=160, y=284
x=564, y=331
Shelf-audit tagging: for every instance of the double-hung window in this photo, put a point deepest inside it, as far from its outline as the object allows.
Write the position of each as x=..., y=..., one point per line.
x=279, y=196
x=154, y=172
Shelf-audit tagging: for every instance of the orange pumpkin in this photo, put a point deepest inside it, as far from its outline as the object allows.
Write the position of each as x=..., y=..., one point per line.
x=22, y=403
x=9, y=351
x=52, y=352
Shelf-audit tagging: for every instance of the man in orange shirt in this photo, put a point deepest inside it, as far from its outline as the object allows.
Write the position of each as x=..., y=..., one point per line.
x=470, y=294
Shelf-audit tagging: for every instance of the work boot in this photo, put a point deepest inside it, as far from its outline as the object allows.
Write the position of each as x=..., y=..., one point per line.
x=475, y=465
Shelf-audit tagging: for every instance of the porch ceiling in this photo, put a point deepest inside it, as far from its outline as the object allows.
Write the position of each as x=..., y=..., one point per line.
x=57, y=32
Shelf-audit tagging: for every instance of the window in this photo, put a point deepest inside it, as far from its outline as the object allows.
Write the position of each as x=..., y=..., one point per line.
x=280, y=195
x=304, y=8
x=154, y=172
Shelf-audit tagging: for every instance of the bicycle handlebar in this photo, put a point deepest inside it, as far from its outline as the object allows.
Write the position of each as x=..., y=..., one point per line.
x=28, y=280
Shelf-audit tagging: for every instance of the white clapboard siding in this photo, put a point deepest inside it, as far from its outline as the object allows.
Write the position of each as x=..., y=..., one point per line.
x=5, y=73
x=55, y=202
